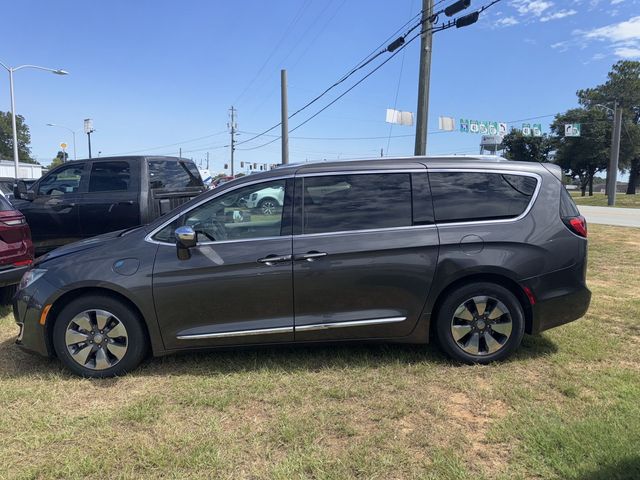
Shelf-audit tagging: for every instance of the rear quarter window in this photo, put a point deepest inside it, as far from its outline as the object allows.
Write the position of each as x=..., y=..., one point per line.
x=479, y=196
x=173, y=175
x=567, y=205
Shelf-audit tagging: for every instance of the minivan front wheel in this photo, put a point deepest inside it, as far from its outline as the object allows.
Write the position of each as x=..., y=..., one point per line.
x=480, y=323
x=99, y=336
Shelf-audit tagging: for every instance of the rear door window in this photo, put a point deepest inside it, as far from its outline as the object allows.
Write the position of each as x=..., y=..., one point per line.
x=173, y=175
x=110, y=177
x=4, y=204
x=479, y=196
x=355, y=202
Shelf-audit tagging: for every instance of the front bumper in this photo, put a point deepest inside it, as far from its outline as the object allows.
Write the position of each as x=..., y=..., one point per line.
x=27, y=308
x=12, y=276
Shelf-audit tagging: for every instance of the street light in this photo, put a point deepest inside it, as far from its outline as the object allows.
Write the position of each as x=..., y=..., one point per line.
x=72, y=133
x=57, y=71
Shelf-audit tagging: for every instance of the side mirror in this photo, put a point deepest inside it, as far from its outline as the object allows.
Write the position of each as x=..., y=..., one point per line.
x=186, y=238
x=20, y=190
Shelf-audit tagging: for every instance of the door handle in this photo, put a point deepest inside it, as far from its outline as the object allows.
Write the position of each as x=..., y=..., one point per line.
x=310, y=256
x=274, y=259
x=61, y=206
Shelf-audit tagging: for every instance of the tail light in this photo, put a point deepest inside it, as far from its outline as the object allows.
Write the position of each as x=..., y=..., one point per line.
x=12, y=218
x=577, y=225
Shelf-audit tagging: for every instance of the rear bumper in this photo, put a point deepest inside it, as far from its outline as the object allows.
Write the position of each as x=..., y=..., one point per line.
x=12, y=276
x=559, y=310
x=560, y=297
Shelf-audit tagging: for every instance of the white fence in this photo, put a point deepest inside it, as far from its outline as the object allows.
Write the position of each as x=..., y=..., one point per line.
x=26, y=170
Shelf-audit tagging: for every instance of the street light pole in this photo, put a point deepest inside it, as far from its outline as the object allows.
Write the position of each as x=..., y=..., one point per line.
x=57, y=71
x=16, y=158
x=73, y=133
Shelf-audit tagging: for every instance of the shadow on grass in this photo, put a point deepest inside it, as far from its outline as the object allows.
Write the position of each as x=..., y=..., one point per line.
x=625, y=469
x=287, y=359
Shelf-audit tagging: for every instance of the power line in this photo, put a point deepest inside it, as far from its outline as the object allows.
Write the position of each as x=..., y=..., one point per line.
x=398, y=45
x=287, y=30
x=359, y=66
x=170, y=144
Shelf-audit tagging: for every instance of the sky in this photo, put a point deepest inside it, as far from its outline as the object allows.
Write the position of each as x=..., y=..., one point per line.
x=157, y=76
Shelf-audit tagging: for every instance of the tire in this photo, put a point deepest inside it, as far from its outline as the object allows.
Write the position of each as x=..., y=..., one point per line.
x=482, y=314
x=268, y=206
x=98, y=336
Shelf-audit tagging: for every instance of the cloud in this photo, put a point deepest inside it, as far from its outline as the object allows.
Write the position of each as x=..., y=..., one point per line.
x=627, y=52
x=531, y=7
x=540, y=10
x=628, y=30
x=558, y=15
x=616, y=2
x=507, y=22
x=621, y=38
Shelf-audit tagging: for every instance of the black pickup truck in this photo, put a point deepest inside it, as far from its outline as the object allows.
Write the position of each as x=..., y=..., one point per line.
x=84, y=198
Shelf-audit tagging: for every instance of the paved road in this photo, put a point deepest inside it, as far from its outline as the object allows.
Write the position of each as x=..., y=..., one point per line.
x=624, y=217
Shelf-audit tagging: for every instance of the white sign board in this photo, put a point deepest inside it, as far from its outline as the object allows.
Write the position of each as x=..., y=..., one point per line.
x=401, y=118
x=88, y=125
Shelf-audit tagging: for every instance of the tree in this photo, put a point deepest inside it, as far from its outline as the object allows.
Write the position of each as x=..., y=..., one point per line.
x=527, y=148
x=6, y=138
x=584, y=156
x=61, y=158
x=623, y=86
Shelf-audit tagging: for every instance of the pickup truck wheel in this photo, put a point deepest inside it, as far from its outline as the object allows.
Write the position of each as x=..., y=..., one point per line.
x=268, y=206
x=480, y=323
x=98, y=336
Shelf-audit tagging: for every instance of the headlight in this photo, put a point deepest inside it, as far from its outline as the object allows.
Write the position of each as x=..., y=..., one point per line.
x=31, y=276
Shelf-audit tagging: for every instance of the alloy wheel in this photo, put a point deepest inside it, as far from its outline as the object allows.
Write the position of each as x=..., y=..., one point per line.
x=481, y=325
x=96, y=339
x=268, y=207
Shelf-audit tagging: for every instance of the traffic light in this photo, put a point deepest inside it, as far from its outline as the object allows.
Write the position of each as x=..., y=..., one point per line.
x=467, y=20
x=457, y=7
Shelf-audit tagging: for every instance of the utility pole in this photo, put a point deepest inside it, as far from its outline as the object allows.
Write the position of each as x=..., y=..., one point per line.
x=180, y=152
x=424, y=79
x=612, y=174
x=232, y=127
x=285, y=116
x=207, y=160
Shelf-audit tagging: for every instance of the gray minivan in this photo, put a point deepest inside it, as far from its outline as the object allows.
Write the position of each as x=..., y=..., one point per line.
x=475, y=252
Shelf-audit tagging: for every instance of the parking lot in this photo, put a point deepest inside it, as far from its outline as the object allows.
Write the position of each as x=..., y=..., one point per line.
x=565, y=406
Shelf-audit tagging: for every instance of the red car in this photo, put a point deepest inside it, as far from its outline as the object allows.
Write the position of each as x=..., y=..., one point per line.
x=16, y=249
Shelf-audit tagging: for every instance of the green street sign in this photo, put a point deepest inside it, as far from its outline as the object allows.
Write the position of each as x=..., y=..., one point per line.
x=572, y=129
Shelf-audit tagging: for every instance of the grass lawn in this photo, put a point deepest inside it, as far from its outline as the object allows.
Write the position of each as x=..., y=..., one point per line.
x=600, y=200
x=567, y=406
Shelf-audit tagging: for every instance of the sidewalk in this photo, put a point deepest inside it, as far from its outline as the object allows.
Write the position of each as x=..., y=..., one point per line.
x=624, y=217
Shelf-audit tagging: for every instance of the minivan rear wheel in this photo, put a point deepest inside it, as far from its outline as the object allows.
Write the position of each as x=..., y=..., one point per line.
x=480, y=323
x=98, y=336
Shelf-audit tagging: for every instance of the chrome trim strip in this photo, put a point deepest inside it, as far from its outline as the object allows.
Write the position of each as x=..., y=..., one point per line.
x=236, y=333
x=353, y=323
x=534, y=197
x=204, y=200
x=371, y=230
x=300, y=173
